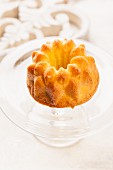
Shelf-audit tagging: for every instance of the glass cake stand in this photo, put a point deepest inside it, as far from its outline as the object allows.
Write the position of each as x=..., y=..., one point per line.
x=53, y=126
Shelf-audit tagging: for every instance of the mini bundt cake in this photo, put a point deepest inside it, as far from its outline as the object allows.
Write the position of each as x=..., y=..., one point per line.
x=62, y=75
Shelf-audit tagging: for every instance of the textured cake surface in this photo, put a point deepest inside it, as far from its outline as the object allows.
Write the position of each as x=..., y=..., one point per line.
x=62, y=75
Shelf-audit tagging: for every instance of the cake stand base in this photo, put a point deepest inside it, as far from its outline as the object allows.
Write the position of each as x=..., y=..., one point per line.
x=58, y=143
x=64, y=126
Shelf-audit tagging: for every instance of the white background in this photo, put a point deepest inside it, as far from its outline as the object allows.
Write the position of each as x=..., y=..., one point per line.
x=21, y=151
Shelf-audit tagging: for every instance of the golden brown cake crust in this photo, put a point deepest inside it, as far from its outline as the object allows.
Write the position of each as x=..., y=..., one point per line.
x=62, y=75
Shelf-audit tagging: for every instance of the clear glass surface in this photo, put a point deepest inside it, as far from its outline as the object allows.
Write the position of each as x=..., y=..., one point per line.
x=55, y=127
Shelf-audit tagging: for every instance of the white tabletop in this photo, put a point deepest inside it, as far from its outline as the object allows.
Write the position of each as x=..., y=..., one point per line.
x=20, y=150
